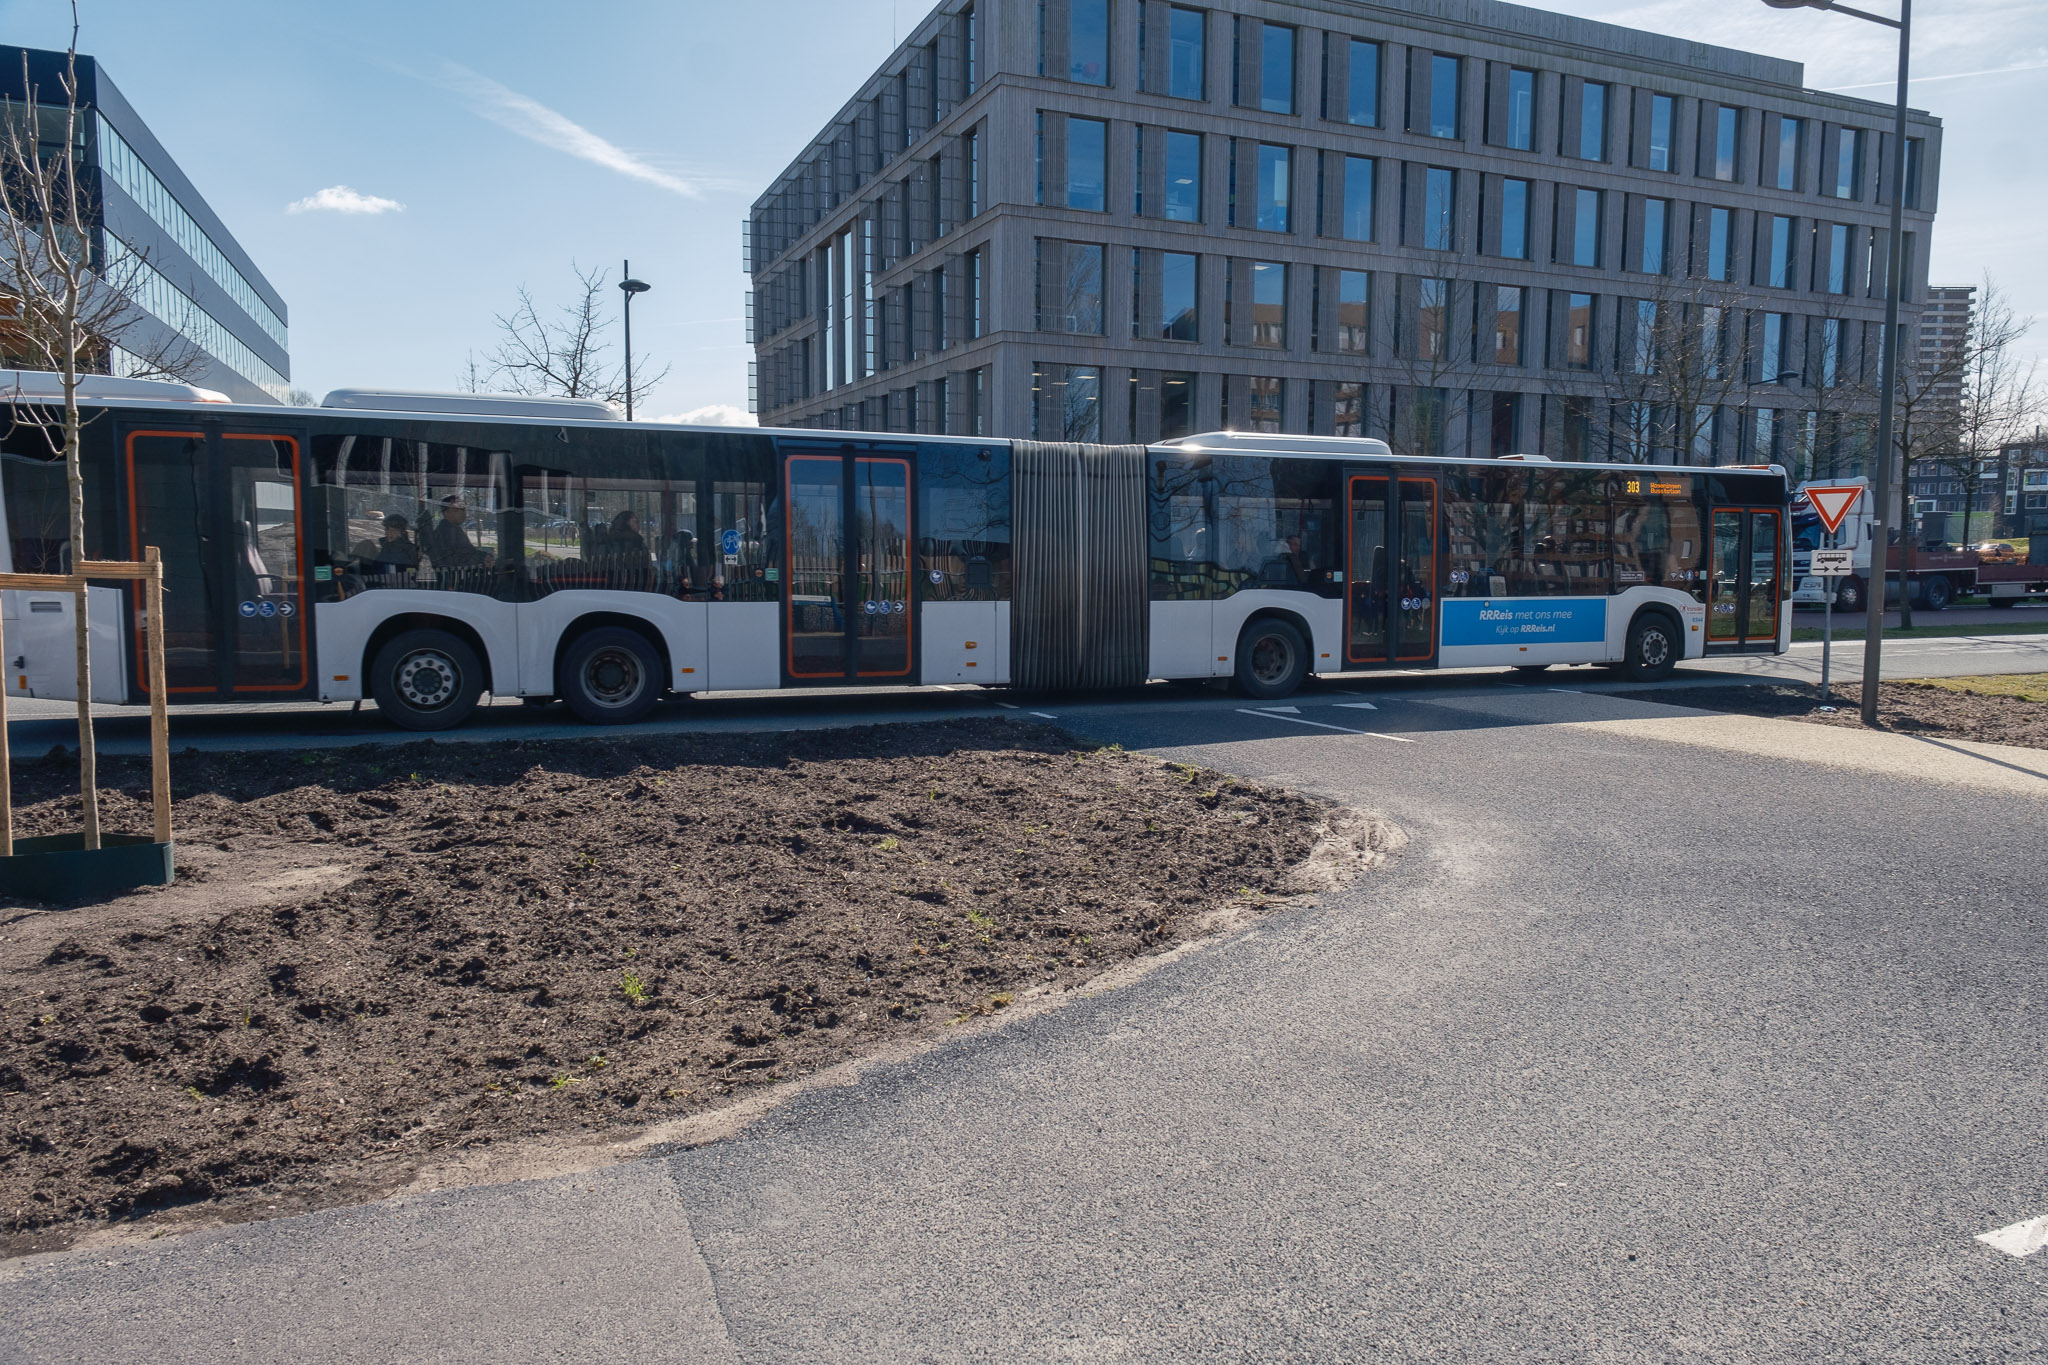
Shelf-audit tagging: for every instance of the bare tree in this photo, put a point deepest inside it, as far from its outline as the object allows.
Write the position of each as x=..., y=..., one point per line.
x=68, y=306
x=2000, y=397
x=1684, y=359
x=565, y=355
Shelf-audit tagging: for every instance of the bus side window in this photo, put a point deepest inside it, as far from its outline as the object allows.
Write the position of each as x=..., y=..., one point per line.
x=963, y=522
x=393, y=512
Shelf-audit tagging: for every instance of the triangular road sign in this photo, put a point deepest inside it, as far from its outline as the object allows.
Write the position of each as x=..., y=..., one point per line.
x=1833, y=503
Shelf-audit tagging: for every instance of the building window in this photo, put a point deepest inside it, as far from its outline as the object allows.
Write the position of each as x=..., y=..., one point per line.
x=1066, y=402
x=1514, y=219
x=1087, y=160
x=1276, y=69
x=1186, y=49
x=1176, y=405
x=1439, y=209
x=1347, y=409
x=1771, y=349
x=1915, y=147
x=1069, y=287
x=1357, y=222
x=977, y=402
x=1788, y=153
x=1592, y=122
x=1087, y=41
x=1838, y=258
x=973, y=48
x=976, y=282
x=1269, y=304
x=1346, y=326
x=1183, y=195
x=1518, y=111
x=1656, y=227
x=1267, y=402
x=1663, y=112
x=1717, y=243
x=1830, y=352
x=1848, y=163
x=1432, y=319
x=1507, y=325
x=938, y=307
x=1578, y=337
x=1443, y=96
x=1273, y=189
x=1645, y=347
x=1727, y=128
x=1164, y=297
x=1362, y=93
x=971, y=149
x=1586, y=205
x=1781, y=252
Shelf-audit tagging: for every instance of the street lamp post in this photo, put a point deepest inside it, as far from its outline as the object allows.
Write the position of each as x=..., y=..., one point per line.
x=1895, y=283
x=630, y=286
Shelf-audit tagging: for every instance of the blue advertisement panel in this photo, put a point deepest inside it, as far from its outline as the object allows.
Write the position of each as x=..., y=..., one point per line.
x=1524, y=620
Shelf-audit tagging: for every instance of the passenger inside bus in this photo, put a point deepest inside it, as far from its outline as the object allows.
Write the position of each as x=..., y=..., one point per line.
x=448, y=543
x=395, y=553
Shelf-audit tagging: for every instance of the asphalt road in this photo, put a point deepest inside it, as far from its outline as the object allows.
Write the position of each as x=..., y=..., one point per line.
x=37, y=726
x=1666, y=1037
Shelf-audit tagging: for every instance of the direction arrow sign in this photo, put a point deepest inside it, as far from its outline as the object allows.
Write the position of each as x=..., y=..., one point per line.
x=1833, y=502
x=1834, y=563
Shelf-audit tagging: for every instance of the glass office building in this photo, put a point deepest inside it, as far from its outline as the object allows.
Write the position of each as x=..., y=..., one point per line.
x=1461, y=225
x=156, y=235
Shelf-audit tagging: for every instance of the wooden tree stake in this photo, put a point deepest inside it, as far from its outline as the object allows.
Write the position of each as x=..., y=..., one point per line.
x=159, y=718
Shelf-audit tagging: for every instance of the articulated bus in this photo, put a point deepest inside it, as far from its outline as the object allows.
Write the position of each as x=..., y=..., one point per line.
x=424, y=550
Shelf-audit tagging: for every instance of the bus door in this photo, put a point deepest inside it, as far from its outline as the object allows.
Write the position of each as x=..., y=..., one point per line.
x=1390, y=554
x=226, y=510
x=1747, y=578
x=847, y=603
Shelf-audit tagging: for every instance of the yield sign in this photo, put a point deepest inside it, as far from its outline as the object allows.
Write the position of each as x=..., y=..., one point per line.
x=1833, y=503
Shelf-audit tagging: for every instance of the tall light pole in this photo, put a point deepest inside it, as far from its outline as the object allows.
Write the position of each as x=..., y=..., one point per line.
x=1895, y=284
x=630, y=286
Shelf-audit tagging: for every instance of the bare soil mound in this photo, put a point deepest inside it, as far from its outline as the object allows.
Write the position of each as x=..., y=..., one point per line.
x=1910, y=708
x=474, y=943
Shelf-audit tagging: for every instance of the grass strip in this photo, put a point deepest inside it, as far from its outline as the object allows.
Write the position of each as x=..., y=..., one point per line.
x=2025, y=686
x=1802, y=634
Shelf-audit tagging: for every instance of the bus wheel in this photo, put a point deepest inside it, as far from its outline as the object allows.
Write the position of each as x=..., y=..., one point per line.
x=1653, y=649
x=426, y=680
x=611, y=676
x=1272, y=659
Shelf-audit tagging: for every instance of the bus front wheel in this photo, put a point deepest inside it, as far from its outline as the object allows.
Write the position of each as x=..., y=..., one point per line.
x=1654, y=648
x=426, y=680
x=1272, y=659
x=611, y=676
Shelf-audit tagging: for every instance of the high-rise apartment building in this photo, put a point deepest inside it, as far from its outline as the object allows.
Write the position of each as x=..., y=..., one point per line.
x=192, y=279
x=1463, y=225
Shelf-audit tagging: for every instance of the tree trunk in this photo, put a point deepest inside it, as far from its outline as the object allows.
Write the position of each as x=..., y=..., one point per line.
x=74, y=475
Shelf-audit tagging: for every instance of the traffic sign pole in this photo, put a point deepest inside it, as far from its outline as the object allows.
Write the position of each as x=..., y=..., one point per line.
x=1832, y=505
x=1827, y=634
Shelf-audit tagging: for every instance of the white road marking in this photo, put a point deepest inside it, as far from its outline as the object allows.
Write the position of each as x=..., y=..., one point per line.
x=2021, y=1239
x=1357, y=705
x=1007, y=705
x=1281, y=710
x=1342, y=729
x=1047, y=714
x=1577, y=692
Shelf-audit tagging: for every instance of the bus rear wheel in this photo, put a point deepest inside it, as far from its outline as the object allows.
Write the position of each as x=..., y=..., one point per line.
x=1272, y=659
x=1654, y=649
x=611, y=676
x=426, y=680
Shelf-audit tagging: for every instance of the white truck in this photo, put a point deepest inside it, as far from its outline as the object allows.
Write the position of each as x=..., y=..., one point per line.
x=1935, y=572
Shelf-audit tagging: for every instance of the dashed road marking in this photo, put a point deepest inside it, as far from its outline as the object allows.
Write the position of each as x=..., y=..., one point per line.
x=1574, y=691
x=1007, y=705
x=1357, y=705
x=1046, y=714
x=2021, y=1239
x=1342, y=729
x=1281, y=710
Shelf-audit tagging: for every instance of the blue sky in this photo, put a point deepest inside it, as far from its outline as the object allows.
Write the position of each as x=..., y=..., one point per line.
x=517, y=140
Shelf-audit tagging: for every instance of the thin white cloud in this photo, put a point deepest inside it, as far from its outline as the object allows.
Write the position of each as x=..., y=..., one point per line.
x=715, y=415
x=342, y=199
x=1952, y=76
x=535, y=122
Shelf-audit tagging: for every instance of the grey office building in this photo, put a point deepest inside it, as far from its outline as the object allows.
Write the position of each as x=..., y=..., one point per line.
x=192, y=279
x=1469, y=227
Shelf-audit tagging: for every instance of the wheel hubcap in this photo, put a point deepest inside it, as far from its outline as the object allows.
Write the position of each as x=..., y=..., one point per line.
x=428, y=679
x=614, y=677
x=1656, y=648
x=1272, y=660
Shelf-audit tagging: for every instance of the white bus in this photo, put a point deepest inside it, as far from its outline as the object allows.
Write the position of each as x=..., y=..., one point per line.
x=424, y=550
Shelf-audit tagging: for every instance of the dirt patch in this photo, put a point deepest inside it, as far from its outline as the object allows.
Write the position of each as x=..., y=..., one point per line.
x=1942, y=710
x=428, y=950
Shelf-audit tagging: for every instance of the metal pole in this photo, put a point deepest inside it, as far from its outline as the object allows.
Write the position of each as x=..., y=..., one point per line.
x=1880, y=545
x=1827, y=628
x=626, y=273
